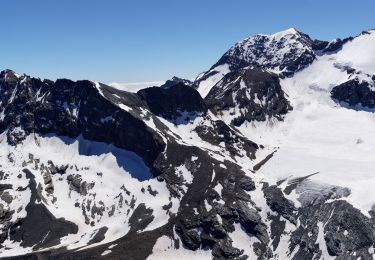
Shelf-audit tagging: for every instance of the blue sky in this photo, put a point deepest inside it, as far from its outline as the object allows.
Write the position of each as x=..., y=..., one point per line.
x=149, y=40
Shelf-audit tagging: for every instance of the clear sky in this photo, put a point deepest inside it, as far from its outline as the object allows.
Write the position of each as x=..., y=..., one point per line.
x=150, y=40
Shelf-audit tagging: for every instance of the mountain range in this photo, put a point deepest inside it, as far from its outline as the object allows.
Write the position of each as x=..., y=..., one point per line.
x=266, y=155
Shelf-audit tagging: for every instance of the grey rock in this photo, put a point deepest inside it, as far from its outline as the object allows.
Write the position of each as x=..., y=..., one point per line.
x=278, y=203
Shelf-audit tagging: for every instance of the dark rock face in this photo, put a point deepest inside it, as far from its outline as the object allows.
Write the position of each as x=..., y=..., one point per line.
x=40, y=228
x=68, y=108
x=5, y=218
x=330, y=47
x=354, y=93
x=336, y=44
x=278, y=203
x=346, y=231
x=318, y=45
x=206, y=217
x=176, y=103
x=175, y=80
x=94, y=111
x=141, y=217
x=222, y=133
x=99, y=236
x=249, y=95
x=251, y=221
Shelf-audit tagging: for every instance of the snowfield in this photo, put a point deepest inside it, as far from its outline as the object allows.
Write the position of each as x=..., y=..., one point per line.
x=321, y=136
x=113, y=171
x=291, y=178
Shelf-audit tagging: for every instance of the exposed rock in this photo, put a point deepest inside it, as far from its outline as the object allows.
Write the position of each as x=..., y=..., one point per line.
x=219, y=132
x=5, y=196
x=278, y=203
x=355, y=93
x=178, y=103
x=288, y=51
x=50, y=188
x=47, y=178
x=251, y=221
x=224, y=250
x=5, y=217
x=262, y=162
x=40, y=228
x=336, y=44
x=140, y=218
x=56, y=113
x=246, y=183
x=348, y=230
x=190, y=238
x=251, y=94
x=175, y=81
x=99, y=236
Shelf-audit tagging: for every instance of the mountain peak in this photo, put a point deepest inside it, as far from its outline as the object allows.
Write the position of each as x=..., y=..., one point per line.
x=283, y=53
x=277, y=36
x=281, y=34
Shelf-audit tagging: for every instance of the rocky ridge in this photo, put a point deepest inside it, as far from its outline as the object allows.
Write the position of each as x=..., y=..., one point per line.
x=170, y=171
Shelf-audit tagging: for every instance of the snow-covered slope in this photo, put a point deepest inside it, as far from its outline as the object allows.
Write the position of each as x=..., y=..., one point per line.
x=271, y=159
x=92, y=186
x=321, y=136
x=327, y=134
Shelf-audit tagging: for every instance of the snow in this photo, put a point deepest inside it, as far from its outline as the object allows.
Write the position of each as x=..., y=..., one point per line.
x=97, y=86
x=206, y=85
x=244, y=241
x=106, y=252
x=207, y=205
x=218, y=188
x=112, y=246
x=183, y=171
x=360, y=53
x=164, y=249
x=274, y=50
x=322, y=245
x=125, y=107
x=319, y=135
x=279, y=35
x=323, y=138
x=117, y=167
x=136, y=86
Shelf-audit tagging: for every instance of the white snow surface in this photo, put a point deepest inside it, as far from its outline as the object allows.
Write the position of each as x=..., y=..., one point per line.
x=108, y=167
x=164, y=249
x=244, y=241
x=206, y=85
x=320, y=135
x=360, y=53
x=135, y=86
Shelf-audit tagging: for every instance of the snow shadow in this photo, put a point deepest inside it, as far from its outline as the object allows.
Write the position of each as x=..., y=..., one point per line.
x=127, y=160
x=185, y=118
x=357, y=107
